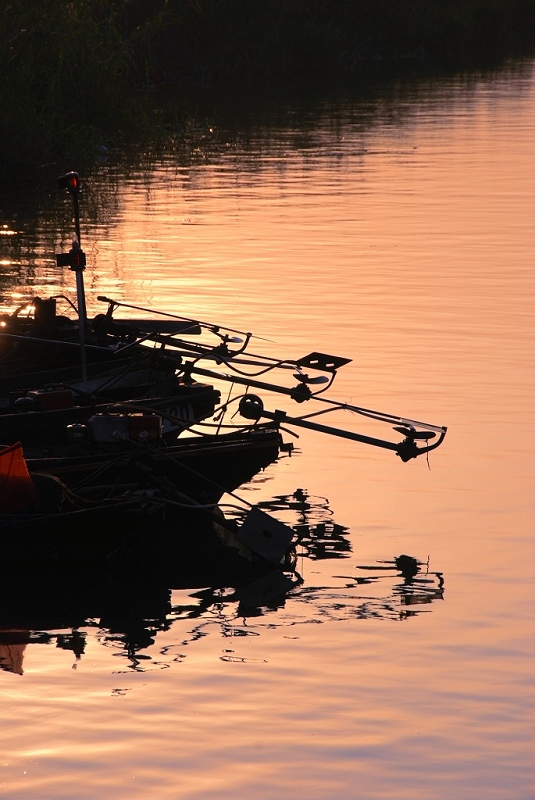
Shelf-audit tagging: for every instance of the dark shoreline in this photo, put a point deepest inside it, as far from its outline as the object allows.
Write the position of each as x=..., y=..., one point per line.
x=79, y=77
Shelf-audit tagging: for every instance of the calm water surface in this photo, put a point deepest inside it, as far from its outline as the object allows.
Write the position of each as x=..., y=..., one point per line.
x=395, y=230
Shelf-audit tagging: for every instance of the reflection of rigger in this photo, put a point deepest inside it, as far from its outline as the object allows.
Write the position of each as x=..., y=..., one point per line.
x=183, y=412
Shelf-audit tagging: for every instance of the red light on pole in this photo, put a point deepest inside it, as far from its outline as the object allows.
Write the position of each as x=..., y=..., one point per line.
x=70, y=181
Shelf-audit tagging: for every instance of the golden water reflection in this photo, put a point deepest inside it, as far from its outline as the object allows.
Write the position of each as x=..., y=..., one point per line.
x=399, y=234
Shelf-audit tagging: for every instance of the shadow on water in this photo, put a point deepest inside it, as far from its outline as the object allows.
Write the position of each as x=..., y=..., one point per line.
x=128, y=605
x=397, y=594
x=318, y=534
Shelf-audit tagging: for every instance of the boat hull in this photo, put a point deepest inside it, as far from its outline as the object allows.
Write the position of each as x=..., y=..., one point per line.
x=92, y=507
x=203, y=469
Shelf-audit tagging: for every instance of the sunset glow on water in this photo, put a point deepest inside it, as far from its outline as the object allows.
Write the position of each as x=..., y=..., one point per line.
x=396, y=231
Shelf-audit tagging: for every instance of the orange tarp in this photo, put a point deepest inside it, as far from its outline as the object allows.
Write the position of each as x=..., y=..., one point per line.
x=16, y=486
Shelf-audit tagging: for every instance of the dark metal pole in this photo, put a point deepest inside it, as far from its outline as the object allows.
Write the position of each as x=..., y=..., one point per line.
x=76, y=261
x=282, y=417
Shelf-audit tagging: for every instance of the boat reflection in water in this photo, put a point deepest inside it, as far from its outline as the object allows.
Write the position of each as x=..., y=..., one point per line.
x=395, y=589
x=130, y=602
x=318, y=534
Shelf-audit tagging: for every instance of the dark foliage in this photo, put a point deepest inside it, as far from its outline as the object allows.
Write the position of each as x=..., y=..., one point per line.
x=75, y=75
